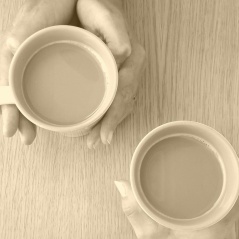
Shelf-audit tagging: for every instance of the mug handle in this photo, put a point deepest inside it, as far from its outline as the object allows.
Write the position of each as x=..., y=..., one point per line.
x=6, y=96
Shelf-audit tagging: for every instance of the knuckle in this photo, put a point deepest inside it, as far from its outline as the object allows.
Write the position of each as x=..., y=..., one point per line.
x=123, y=51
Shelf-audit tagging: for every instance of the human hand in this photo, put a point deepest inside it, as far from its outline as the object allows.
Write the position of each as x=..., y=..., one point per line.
x=34, y=15
x=146, y=228
x=128, y=53
x=105, y=19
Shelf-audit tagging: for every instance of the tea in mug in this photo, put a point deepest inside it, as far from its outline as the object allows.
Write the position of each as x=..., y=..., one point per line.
x=181, y=177
x=64, y=83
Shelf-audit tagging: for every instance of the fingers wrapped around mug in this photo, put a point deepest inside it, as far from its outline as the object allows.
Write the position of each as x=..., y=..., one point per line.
x=123, y=104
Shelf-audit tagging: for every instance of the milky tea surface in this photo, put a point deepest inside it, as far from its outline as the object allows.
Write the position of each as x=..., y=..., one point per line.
x=181, y=177
x=64, y=83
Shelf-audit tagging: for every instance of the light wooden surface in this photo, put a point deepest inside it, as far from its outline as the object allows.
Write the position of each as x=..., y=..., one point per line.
x=57, y=188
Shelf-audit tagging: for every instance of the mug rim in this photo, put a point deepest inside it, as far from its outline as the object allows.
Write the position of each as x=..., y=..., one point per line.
x=140, y=200
x=101, y=110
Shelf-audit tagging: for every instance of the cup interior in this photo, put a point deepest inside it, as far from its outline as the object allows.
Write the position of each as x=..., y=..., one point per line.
x=55, y=34
x=228, y=161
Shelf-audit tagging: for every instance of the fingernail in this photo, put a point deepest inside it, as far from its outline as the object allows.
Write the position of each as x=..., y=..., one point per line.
x=121, y=188
x=96, y=143
x=90, y=144
x=110, y=136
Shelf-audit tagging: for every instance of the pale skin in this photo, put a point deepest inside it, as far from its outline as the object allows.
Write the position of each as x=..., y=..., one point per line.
x=146, y=228
x=105, y=19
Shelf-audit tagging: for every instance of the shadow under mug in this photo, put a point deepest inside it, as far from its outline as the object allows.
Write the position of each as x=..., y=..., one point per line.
x=228, y=161
x=13, y=94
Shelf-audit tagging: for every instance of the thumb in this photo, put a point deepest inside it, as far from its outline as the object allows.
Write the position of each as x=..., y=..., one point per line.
x=143, y=225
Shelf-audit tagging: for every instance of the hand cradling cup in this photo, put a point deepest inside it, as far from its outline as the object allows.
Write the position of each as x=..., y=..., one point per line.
x=63, y=79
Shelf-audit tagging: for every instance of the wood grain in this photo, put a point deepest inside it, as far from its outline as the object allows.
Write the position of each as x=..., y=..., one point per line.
x=57, y=188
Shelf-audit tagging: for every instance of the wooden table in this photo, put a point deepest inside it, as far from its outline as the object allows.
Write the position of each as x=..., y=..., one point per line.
x=57, y=188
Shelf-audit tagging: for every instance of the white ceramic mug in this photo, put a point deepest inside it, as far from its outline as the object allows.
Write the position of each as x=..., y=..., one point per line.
x=228, y=162
x=13, y=94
